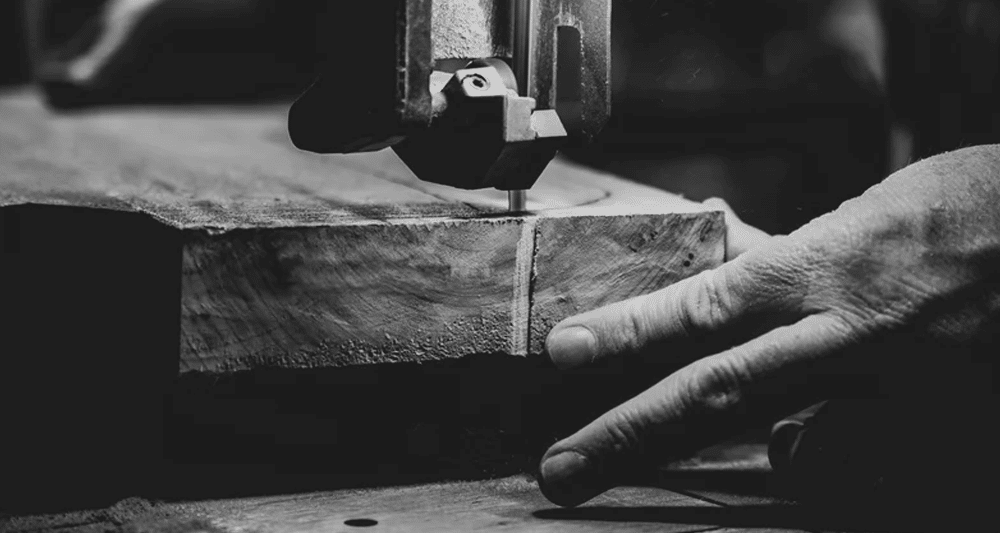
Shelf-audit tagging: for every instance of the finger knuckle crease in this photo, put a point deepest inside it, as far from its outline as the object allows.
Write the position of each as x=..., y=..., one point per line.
x=637, y=329
x=707, y=304
x=720, y=389
x=622, y=432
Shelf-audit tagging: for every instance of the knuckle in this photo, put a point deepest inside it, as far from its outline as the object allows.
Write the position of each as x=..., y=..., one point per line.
x=787, y=274
x=718, y=203
x=635, y=327
x=718, y=388
x=883, y=304
x=706, y=304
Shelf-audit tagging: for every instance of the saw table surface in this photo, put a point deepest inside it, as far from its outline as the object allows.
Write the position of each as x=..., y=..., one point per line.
x=511, y=504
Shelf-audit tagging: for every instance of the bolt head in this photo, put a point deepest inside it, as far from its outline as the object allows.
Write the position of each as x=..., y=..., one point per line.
x=476, y=83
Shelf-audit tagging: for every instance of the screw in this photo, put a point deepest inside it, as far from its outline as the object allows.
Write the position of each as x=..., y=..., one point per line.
x=477, y=81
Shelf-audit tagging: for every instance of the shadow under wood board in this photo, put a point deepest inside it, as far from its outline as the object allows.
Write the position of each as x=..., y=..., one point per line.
x=201, y=236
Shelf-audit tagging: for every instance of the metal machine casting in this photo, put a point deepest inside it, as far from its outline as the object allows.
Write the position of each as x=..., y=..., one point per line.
x=469, y=93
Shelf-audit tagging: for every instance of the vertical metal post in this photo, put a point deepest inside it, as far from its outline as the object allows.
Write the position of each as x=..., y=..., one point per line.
x=517, y=200
x=522, y=44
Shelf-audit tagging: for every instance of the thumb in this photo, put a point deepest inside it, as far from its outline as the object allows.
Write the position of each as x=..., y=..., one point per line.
x=740, y=236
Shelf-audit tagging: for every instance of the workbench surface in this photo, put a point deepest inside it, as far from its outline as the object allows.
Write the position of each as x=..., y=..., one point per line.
x=511, y=504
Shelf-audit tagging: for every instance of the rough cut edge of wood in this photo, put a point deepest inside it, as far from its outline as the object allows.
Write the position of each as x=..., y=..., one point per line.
x=288, y=299
x=513, y=322
x=347, y=295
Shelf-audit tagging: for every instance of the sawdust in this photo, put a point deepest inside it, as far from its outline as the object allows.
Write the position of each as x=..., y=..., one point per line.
x=130, y=514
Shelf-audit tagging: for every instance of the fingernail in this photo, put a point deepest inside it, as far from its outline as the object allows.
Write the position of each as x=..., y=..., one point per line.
x=568, y=479
x=571, y=346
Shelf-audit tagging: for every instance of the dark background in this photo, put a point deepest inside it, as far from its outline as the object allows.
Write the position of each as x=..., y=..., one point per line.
x=784, y=109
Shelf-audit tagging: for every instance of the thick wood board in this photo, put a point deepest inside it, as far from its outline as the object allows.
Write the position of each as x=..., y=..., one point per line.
x=296, y=260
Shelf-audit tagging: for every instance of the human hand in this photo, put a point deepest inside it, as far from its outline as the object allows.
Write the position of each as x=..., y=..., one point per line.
x=896, y=291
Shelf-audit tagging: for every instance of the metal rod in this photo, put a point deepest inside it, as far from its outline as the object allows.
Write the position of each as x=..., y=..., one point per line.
x=517, y=201
x=522, y=44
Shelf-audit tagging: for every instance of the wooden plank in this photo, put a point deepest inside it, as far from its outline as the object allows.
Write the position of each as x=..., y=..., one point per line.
x=295, y=260
x=417, y=290
x=511, y=504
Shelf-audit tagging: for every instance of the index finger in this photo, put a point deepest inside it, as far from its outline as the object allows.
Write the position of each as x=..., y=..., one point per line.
x=692, y=408
x=737, y=300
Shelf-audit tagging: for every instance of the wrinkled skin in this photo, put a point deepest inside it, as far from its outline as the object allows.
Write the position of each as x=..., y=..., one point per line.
x=896, y=292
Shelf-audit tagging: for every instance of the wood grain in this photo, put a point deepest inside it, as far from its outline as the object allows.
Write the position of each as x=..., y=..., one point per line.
x=419, y=291
x=584, y=262
x=296, y=260
x=231, y=167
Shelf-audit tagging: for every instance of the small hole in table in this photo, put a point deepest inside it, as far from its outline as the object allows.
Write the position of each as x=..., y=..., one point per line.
x=361, y=522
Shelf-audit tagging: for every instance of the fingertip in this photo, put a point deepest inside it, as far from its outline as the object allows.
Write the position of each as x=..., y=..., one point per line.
x=718, y=203
x=568, y=479
x=571, y=346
